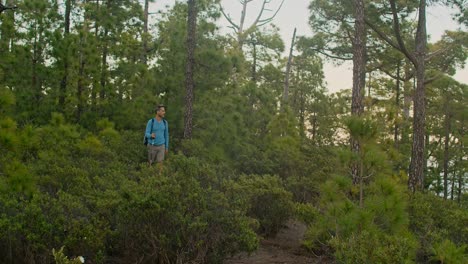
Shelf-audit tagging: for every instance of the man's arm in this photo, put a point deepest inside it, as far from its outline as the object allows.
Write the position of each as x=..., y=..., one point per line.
x=166, y=136
x=148, y=130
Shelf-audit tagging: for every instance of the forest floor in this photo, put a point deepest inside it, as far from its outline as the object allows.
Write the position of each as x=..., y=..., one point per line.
x=285, y=248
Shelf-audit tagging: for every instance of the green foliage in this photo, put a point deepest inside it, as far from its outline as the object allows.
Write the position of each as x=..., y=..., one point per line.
x=7, y=99
x=447, y=252
x=266, y=200
x=434, y=220
x=376, y=233
x=361, y=129
x=73, y=106
x=61, y=258
x=374, y=247
x=179, y=216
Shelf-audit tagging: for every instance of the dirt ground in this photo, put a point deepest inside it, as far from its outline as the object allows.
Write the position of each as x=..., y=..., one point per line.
x=285, y=248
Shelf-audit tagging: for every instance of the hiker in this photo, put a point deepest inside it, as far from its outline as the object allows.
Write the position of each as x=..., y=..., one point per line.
x=157, y=135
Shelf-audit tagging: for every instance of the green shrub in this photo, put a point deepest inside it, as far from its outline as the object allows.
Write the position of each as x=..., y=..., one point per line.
x=434, y=220
x=61, y=258
x=376, y=233
x=267, y=200
x=448, y=253
x=373, y=246
x=178, y=216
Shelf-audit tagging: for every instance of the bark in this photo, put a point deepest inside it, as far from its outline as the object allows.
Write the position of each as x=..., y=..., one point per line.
x=397, y=108
x=302, y=114
x=462, y=170
x=254, y=63
x=359, y=59
x=288, y=69
x=446, y=147
x=103, y=80
x=95, y=88
x=240, y=34
x=416, y=173
x=80, y=87
x=81, y=71
x=453, y=186
x=145, y=33
x=64, y=81
x=36, y=58
x=426, y=153
x=359, y=77
x=314, y=127
x=189, y=82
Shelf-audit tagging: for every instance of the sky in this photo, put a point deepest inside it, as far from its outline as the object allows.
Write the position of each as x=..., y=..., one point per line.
x=295, y=14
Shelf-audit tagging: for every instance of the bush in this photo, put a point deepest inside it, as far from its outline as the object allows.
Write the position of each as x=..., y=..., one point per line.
x=376, y=233
x=448, y=253
x=266, y=200
x=434, y=220
x=61, y=258
x=179, y=216
x=373, y=246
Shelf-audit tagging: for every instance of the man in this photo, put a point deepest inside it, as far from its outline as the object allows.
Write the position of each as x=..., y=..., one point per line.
x=157, y=133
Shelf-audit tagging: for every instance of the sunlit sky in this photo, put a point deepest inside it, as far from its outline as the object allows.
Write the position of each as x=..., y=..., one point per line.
x=295, y=14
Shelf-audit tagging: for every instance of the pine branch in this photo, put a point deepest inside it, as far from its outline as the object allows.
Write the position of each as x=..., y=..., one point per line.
x=397, y=30
x=3, y=7
x=228, y=18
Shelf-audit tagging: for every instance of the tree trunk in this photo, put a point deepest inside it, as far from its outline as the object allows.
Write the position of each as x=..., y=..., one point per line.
x=408, y=89
x=254, y=63
x=189, y=82
x=103, y=80
x=288, y=70
x=461, y=160
x=240, y=33
x=416, y=173
x=80, y=88
x=36, y=88
x=397, y=108
x=369, y=93
x=7, y=30
x=64, y=81
x=359, y=77
x=446, y=146
x=95, y=88
x=314, y=127
x=145, y=33
x=81, y=71
x=453, y=179
x=302, y=114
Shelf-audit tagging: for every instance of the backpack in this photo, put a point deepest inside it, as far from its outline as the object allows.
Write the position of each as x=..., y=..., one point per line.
x=145, y=140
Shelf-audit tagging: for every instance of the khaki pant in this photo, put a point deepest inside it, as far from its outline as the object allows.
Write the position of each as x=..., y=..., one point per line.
x=156, y=153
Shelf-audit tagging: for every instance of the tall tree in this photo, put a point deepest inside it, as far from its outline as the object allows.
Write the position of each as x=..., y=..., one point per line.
x=359, y=77
x=308, y=97
x=189, y=70
x=240, y=28
x=66, y=33
x=146, y=36
x=264, y=46
x=288, y=69
x=417, y=58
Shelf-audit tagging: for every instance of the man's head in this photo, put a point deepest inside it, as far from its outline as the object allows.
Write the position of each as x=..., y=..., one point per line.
x=160, y=111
